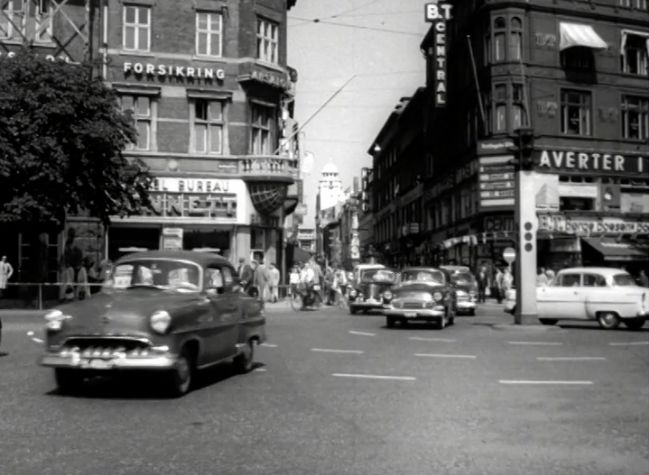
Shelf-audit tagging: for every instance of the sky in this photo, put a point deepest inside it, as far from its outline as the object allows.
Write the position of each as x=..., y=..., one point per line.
x=371, y=47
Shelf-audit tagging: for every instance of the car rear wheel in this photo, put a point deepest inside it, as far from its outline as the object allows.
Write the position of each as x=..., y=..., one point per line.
x=352, y=310
x=441, y=323
x=244, y=361
x=634, y=323
x=68, y=380
x=390, y=321
x=547, y=321
x=179, y=380
x=608, y=320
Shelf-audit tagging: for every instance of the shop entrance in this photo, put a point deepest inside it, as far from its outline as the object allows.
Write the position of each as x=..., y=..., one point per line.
x=124, y=240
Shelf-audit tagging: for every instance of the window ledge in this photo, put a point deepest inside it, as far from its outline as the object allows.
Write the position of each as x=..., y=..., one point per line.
x=135, y=52
x=208, y=59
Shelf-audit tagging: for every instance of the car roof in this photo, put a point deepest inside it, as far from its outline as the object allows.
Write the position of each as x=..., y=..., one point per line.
x=420, y=268
x=600, y=270
x=368, y=266
x=200, y=258
x=462, y=269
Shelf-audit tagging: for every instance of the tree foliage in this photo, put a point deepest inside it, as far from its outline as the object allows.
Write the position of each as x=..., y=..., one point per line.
x=61, y=141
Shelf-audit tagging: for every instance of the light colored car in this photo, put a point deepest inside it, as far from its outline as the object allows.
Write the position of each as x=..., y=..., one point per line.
x=423, y=294
x=169, y=312
x=607, y=295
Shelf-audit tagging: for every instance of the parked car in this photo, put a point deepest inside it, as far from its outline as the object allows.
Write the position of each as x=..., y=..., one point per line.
x=172, y=312
x=370, y=280
x=466, y=288
x=423, y=293
x=607, y=295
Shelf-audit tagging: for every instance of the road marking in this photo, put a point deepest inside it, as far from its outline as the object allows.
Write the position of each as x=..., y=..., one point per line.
x=259, y=370
x=374, y=376
x=361, y=333
x=419, y=338
x=571, y=358
x=630, y=343
x=269, y=345
x=433, y=355
x=30, y=335
x=523, y=381
x=329, y=350
x=538, y=343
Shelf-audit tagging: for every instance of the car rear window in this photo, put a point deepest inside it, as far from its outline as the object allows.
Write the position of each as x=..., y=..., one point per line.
x=464, y=278
x=379, y=275
x=434, y=277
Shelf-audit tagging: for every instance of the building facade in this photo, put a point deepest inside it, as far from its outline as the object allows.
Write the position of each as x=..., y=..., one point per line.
x=211, y=95
x=577, y=73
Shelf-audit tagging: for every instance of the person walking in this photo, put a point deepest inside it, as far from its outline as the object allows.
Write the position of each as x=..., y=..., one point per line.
x=508, y=280
x=541, y=278
x=643, y=279
x=294, y=280
x=262, y=279
x=274, y=280
x=6, y=271
x=498, y=284
x=483, y=282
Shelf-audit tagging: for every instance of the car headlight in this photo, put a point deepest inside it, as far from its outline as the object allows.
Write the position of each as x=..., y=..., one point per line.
x=352, y=293
x=54, y=320
x=160, y=321
x=461, y=293
x=438, y=296
x=387, y=295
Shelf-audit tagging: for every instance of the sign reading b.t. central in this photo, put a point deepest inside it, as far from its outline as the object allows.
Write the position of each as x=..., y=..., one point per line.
x=439, y=13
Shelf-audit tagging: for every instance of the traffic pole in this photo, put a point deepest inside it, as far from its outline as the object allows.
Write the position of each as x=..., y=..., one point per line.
x=526, y=222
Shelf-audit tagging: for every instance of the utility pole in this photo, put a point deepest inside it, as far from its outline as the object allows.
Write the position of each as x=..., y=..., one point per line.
x=526, y=223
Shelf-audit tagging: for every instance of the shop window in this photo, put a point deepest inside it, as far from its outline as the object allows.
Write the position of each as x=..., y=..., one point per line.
x=575, y=112
x=267, y=40
x=140, y=108
x=12, y=20
x=209, y=34
x=635, y=117
x=136, y=32
x=262, y=120
x=635, y=50
x=207, y=126
x=576, y=204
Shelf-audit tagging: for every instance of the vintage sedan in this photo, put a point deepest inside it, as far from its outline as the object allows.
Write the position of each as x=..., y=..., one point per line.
x=423, y=294
x=172, y=312
x=370, y=280
x=607, y=295
x=466, y=288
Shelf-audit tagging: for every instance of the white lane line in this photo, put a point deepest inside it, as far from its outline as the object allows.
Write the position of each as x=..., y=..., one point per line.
x=419, y=338
x=571, y=358
x=259, y=370
x=353, y=332
x=537, y=343
x=630, y=343
x=330, y=350
x=523, y=381
x=433, y=355
x=268, y=345
x=374, y=376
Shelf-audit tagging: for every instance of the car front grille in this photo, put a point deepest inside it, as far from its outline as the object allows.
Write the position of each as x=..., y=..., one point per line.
x=105, y=347
x=413, y=305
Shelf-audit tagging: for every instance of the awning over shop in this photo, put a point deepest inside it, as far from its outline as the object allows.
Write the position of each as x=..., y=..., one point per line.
x=577, y=34
x=612, y=250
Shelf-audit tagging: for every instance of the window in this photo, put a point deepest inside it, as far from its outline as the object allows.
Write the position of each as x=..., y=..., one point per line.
x=137, y=28
x=500, y=33
x=594, y=280
x=12, y=20
x=635, y=117
x=43, y=19
x=267, y=40
x=207, y=126
x=262, y=119
x=515, y=39
x=500, y=107
x=575, y=112
x=209, y=34
x=140, y=109
x=578, y=57
x=634, y=50
x=567, y=203
x=519, y=116
x=570, y=280
x=638, y=4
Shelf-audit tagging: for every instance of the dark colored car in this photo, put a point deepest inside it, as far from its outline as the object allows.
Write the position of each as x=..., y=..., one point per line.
x=466, y=291
x=423, y=294
x=172, y=312
x=370, y=281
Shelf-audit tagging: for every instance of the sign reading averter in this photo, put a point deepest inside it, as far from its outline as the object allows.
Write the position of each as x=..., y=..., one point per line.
x=439, y=13
x=599, y=162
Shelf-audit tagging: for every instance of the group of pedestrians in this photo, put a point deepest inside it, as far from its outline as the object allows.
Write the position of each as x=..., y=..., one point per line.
x=265, y=278
x=493, y=285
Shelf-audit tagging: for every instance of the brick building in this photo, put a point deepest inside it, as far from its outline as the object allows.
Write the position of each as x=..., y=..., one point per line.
x=576, y=72
x=211, y=94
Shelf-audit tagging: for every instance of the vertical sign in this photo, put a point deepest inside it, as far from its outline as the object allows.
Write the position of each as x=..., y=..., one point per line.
x=438, y=13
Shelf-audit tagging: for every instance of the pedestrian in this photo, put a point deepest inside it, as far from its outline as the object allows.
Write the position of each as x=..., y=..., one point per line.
x=508, y=280
x=246, y=273
x=274, y=280
x=541, y=278
x=483, y=283
x=294, y=280
x=550, y=275
x=6, y=271
x=261, y=279
x=498, y=279
x=643, y=280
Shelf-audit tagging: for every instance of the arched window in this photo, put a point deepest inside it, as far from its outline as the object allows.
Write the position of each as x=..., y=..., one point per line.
x=500, y=34
x=515, y=39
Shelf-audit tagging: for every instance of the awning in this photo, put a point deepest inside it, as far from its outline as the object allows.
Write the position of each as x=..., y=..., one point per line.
x=612, y=250
x=577, y=34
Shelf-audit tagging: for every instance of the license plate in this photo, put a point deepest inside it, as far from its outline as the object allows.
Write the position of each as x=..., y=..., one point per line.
x=97, y=364
x=411, y=314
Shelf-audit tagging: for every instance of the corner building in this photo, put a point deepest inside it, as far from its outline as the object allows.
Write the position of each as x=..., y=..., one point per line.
x=207, y=84
x=577, y=73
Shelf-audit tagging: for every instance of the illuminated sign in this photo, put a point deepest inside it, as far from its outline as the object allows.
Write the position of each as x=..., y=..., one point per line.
x=439, y=14
x=172, y=70
x=438, y=11
x=592, y=161
x=192, y=185
x=587, y=226
x=190, y=205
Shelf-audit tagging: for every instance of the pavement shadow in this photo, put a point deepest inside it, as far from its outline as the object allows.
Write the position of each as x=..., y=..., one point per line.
x=2, y=353
x=596, y=327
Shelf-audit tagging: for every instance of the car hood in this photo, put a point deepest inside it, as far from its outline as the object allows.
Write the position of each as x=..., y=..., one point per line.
x=123, y=312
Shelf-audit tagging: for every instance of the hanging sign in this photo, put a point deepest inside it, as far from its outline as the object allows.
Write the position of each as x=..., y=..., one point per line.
x=439, y=13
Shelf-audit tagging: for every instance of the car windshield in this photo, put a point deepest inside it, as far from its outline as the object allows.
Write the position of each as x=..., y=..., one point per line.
x=165, y=274
x=463, y=278
x=428, y=276
x=623, y=280
x=379, y=276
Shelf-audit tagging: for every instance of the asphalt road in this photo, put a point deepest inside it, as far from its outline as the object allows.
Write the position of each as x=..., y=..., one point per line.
x=336, y=394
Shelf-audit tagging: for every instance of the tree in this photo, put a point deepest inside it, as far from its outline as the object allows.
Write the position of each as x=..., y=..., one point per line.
x=61, y=141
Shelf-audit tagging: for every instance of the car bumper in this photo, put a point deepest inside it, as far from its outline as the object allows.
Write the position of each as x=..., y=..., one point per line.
x=419, y=313
x=466, y=306
x=151, y=361
x=366, y=305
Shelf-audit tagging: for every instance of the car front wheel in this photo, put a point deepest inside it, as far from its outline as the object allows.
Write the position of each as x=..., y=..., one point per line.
x=608, y=320
x=179, y=380
x=244, y=361
x=68, y=380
